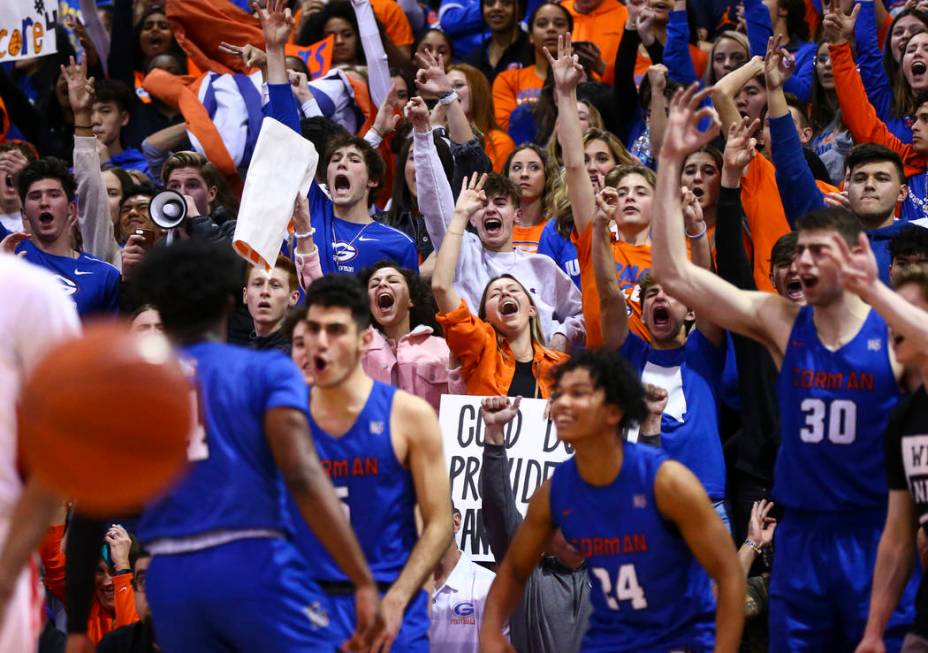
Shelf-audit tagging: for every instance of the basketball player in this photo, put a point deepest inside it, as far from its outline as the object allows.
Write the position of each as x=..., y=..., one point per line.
x=35, y=317
x=382, y=448
x=224, y=573
x=837, y=385
x=643, y=522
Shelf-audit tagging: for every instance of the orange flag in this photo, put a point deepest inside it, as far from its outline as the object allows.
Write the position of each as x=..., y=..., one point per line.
x=199, y=26
x=317, y=57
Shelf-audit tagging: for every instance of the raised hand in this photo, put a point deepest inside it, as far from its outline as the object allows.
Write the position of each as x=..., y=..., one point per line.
x=607, y=201
x=251, y=56
x=779, y=64
x=300, y=84
x=657, y=77
x=646, y=25
x=431, y=78
x=9, y=244
x=740, y=150
x=387, y=117
x=80, y=88
x=590, y=56
x=857, y=268
x=472, y=197
x=761, y=527
x=838, y=27
x=498, y=411
x=276, y=21
x=566, y=69
x=682, y=135
x=300, y=216
x=634, y=12
x=418, y=114
x=693, y=221
x=119, y=542
x=12, y=163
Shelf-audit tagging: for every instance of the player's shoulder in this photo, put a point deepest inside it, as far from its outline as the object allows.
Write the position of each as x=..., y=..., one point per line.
x=407, y=406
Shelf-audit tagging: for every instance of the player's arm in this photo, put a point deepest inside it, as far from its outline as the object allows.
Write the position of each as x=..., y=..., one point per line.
x=764, y=317
x=894, y=562
x=681, y=498
x=288, y=435
x=426, y=460
x=725, y=90
x=521, y=559
x=612, y=307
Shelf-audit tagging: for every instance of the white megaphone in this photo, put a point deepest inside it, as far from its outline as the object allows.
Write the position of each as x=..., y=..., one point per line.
x=168, y=209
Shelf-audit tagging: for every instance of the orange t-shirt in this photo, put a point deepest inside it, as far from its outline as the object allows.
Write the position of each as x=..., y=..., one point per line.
x=526, y=238
x=603, y=26
x=498, y=146
x=632, y=262
x=700, y=61
x=512, y=88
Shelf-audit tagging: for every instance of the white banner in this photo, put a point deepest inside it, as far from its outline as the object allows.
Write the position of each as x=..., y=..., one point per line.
x=531, y=446
x=27, y=28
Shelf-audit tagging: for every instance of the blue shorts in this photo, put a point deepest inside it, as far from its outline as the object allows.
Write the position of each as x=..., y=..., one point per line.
x=820, y=584
x=414, y=633
x=248, y=595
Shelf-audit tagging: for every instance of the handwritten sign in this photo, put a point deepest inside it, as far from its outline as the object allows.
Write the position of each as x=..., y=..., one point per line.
x=317, y=57
x=27, y=29
x=531, y=446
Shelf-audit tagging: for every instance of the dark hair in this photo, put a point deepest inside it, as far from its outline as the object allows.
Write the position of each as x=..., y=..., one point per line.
x=873, y=153
x=517, y=17
x=901, y=91
x=125, y=179
x=423, y=307
x=497, y=185
x=139, y=60
x=917, y=274
x=784, y=250
x=192, y=283
x=840, y=220
x=47, y=168
x=300, y=64
x=137, y=552
x=401, y=199
x=295, y=314
x=137, y=189
x=340, y=291
x=25, y=148
x=793, y=101
x=713, y=153
x=910, y=240
x=320, y=132
x=614, y=376
x=823, y=107
x=421, y=37
x=567, y=15
x=796, y=25
x=920, y=99
x=314, y=27
x=376, y=168
x=113, y=90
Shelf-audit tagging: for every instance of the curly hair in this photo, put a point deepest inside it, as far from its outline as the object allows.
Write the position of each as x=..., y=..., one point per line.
x=423, y=307
x=614, y=376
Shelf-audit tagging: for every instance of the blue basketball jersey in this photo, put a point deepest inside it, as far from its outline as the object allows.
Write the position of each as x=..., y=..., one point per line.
x=649, y=592
x=834, y=406
x=376, y=489
x=232, y=482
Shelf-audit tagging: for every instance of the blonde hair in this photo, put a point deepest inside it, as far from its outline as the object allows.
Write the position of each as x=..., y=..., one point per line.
x=709, y=78
x=596, y=122
x=534, y=323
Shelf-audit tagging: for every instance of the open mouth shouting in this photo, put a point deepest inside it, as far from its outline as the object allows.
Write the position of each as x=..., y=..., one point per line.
x=493, y=226
x=341, y=184
x=508, y=306
x=319, y=364
x=46, y=219
x=385, y=300
x=794, y=289
x=808, y=281
x=660, y=317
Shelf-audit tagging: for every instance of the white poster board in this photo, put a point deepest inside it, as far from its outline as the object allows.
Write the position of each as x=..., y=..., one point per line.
x=531, y=446
x=27, y=28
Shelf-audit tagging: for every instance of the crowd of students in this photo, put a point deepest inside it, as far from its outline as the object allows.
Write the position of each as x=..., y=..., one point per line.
x=716, y=193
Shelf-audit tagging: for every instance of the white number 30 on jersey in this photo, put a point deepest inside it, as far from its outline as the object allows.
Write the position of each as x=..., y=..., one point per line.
x=841, y=421
x=626, y=587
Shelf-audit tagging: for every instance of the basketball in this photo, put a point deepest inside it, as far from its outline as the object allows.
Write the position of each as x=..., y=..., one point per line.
x=104, y=419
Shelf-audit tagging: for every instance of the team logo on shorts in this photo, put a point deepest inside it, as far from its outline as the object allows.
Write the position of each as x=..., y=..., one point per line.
x=317, y=615
x=462, y=614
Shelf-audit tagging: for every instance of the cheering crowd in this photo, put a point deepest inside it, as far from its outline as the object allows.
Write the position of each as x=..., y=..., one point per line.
x=730, y=199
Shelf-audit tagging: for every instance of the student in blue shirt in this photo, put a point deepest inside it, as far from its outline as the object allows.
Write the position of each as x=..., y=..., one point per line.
x=110, y=115
x=47, y=191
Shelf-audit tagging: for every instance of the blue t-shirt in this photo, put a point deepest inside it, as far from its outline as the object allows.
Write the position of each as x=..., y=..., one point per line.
x=561, y=250
x=348, y=247
x=233, y=482
x=649, y=593
x=92, y=284
x=692, y=376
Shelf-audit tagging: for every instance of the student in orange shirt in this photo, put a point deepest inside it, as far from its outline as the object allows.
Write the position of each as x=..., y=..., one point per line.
x=597, y=31
x=501, y=350
x=512, y=88
x=529, y=168
x=476, y=99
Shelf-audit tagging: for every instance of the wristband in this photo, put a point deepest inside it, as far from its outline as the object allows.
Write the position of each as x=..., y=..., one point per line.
x=121, y=572
x=751, y=543
x=306, y=235
x=447, y=98
x=702, y=233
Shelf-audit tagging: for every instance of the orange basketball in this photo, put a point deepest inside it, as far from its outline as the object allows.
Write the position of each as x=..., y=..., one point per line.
x=104, y=419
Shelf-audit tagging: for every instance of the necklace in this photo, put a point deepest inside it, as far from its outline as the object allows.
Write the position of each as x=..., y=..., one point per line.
x=350, y=245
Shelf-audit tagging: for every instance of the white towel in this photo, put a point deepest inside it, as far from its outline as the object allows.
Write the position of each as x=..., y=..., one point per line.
x=283, y=165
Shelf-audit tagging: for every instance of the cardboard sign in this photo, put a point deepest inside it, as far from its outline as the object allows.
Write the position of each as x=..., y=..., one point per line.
x=532, y=448
x=27, y=29
x=317, y=57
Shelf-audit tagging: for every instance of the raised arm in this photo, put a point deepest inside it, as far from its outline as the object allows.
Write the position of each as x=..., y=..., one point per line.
x=725, y=90
x=657, y=76
x=378, y=68
x=471, y=201
x=288, y=435
x=761, y=316
x=733, y=263
x=433, y=192
x=696, y=230
x=612, y=307
x=681, y=498
x=277, y=23
x=431, y=79
x=567, y=74
x=677, y=56
x=500, y=515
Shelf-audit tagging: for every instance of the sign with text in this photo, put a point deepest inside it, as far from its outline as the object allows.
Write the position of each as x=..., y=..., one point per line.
x=27, y=29
x=532, y=448
x=317, y=57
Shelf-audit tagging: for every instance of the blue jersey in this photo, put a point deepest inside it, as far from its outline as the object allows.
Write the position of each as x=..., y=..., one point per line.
x=692, y=376
x=348, y=247
x=233, y=482
x=564, y=252
x=834, y=407
x=92, y=284
x=649, y=592
x=376, y=489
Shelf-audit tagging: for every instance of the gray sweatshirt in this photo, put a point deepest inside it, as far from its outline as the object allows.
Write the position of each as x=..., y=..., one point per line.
x=93, y=210
x=555, y=608
x=556, y=298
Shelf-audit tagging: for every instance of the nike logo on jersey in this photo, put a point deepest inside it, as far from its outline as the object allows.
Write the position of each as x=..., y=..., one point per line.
x=81, y=273
x=368, y=240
